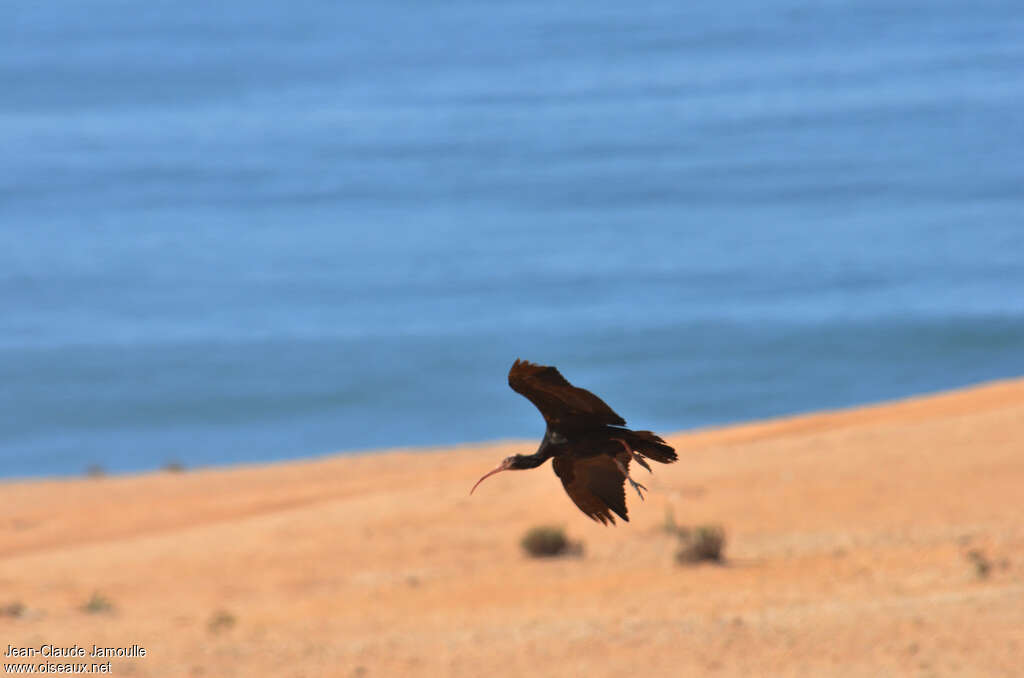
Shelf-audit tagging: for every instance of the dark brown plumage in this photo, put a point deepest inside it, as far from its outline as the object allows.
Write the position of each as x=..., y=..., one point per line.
x=590, y=446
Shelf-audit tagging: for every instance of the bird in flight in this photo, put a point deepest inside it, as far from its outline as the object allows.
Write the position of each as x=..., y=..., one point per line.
x=588, y=443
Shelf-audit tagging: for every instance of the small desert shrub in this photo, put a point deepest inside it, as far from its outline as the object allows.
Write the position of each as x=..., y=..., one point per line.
x=174, y=466
x=222, y=620
x=699, y=544
x=97, y=603
x=545, y=541
x=982, y=565
x=14, y=608
x=95, y=471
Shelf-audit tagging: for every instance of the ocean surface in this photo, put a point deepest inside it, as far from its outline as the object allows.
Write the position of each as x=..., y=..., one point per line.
x=251, y=231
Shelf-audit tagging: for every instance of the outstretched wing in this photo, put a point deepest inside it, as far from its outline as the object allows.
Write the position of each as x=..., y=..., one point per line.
x=595, y=485
x=563, y=405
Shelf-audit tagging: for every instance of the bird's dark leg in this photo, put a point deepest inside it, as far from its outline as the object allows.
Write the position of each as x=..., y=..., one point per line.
x=636, y=457
x=622, y=467
x=636, y=486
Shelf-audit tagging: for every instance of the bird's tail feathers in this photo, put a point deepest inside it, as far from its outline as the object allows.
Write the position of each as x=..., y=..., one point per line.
x=650, y=445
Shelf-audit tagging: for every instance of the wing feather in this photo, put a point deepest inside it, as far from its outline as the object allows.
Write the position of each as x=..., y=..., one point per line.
x=563, y=405
x=595, y=485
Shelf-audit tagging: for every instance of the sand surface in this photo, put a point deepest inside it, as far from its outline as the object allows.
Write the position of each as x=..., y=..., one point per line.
x=850, y=542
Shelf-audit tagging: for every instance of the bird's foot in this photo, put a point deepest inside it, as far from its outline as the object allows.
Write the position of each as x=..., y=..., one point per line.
x=636, y=457
x=636, y=486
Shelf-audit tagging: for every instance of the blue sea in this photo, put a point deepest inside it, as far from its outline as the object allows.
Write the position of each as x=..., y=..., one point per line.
x=253, y=231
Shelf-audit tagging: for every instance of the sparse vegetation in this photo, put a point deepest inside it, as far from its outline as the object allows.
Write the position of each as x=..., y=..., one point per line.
x=982, y=565
x=670, y=526
x=700, y=544
x=97, y=604
x=174, y=466
x=15, y=608
x=95, y=471
x=545, y=541
x=696, y=544
x=222, y=620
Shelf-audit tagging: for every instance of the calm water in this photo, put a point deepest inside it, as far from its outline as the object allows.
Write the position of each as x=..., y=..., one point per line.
x=247, y=231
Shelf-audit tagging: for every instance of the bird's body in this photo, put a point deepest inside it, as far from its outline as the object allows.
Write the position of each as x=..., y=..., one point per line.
x=588, y=442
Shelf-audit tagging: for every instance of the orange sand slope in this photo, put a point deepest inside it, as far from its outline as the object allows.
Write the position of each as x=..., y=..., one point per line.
x=887, y=540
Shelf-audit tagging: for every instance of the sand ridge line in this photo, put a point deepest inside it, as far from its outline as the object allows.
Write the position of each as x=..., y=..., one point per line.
x=969, y=400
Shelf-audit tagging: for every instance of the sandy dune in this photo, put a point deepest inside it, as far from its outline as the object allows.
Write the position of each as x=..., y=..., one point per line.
x=849, y=534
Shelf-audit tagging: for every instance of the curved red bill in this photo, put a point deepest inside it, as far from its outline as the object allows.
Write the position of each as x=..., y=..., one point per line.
x=503, y=466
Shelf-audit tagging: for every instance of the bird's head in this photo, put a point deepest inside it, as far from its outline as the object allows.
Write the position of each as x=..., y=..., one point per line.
x=513, y=463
